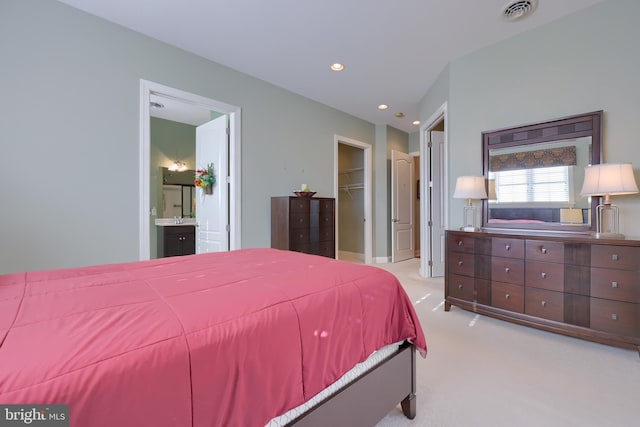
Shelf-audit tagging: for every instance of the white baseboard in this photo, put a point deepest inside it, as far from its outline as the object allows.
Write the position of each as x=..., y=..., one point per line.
x=381, y=260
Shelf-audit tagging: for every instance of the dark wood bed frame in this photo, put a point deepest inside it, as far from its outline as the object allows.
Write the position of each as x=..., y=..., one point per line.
x=366, y=400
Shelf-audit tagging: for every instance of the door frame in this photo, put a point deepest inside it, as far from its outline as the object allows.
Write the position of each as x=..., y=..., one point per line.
x=147, y=88
x=368, y=222
x=425, y=238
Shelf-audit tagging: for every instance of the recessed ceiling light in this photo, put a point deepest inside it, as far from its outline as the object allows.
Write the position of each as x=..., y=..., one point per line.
x=383, y=107
x=399, y=114
x=416, y=122
x=337, y=66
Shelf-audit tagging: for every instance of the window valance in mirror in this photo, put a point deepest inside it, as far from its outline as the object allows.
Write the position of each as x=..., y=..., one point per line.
x=560, y=156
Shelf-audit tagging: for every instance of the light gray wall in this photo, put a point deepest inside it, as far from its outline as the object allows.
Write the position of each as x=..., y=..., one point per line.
x=585, y=62
x=69, y=119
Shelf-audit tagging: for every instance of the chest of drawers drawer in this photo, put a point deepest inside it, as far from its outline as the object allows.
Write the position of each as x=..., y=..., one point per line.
x=620, y=285
x=611, y=256
x=545, y=275
x=461, y=287
x=461, y=263
x=541, y=250
x=622, y=318
x=507, y=296
x=544, y=303
x=509, y=248
x=509, y=270
x=458, y=243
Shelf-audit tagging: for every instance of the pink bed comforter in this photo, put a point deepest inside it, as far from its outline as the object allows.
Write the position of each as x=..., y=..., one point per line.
x=224, y=339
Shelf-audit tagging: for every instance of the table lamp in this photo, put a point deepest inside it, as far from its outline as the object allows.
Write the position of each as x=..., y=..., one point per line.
x=608, y=179
x=470, y=188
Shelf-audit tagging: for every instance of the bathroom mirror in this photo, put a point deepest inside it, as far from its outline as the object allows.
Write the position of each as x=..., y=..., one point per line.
x=534, y=174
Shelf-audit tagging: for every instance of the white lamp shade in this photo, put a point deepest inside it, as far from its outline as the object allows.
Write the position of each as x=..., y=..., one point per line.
x=609, y=178
x=470, y=187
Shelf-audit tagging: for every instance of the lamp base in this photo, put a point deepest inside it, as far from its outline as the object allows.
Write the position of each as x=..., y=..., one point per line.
x=469, y=228
x=599, y=235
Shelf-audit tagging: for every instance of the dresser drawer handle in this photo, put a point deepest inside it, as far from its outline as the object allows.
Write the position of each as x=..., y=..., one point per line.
x=614, y=285
x=507, y=269
x=507, y=247
x=507, y=296
x=614, y=257
x=543, y=274
x=460, y=243
x=301, y=235
x=543, y=250
x=543, y=303
x=460, y=286
x=614, y=316
x=460, y=263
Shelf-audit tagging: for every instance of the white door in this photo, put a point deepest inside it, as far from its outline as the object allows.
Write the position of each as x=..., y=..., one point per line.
x=436, y=230
x=212, y=210
x=402, y=245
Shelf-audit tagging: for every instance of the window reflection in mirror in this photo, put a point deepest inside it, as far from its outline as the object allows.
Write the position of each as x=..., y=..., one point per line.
x=546, y=177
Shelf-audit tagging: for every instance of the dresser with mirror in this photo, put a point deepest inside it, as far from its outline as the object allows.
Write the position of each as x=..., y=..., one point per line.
x=535, y=261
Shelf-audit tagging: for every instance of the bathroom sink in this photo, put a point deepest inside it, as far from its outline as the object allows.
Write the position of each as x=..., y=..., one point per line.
x=166, y=222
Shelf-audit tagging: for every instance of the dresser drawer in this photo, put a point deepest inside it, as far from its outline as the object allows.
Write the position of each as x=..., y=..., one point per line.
x=300, y=235
x=620, y=285
x=299, y=204
x=461, y=287
x=610, y=256
x=507, y=296
x=508, y=270
x=545, y=275
x=461, y=263
x=325, y=233
x=541, y=250
x=505, y=247
x=299, y=220
x=622, y=318
x=326, y=207
x=544, y=303
x=460, y=243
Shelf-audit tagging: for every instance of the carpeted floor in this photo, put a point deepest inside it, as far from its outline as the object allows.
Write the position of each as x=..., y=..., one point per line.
x=486, y=372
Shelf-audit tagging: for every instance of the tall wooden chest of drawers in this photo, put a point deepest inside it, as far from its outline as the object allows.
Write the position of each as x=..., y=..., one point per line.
x=578, y=286
x=304, y=224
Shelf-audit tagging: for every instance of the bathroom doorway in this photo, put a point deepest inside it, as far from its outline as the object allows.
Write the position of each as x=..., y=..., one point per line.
x=154, y=92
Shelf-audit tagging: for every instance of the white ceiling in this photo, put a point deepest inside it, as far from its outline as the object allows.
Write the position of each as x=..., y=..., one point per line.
x=392, y=50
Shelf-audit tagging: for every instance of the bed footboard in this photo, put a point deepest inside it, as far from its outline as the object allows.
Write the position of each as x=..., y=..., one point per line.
x=365, y=401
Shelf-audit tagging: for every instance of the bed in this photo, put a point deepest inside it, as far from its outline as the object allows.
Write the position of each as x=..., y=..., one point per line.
x=223, y=339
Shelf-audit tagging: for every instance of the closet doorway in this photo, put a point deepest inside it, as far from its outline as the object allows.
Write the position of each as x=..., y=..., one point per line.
x=352, y=191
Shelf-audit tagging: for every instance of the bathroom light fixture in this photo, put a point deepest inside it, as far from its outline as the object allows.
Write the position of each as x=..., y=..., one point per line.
x=608, y=179
x=337, y=67
x=470, y=188
x=178, y=166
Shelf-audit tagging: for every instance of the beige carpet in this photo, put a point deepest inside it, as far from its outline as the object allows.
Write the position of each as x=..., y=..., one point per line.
x=486, y=372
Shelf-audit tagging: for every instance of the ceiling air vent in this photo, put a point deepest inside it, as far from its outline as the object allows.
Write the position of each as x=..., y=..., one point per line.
x=518, y=9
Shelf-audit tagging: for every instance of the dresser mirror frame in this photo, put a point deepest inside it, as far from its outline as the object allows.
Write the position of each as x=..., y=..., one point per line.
x=537, y=136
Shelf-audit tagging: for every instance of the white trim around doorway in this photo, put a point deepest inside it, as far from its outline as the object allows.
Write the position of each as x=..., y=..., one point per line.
x=429, y=124
x=146, y=89
x=368, y=222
